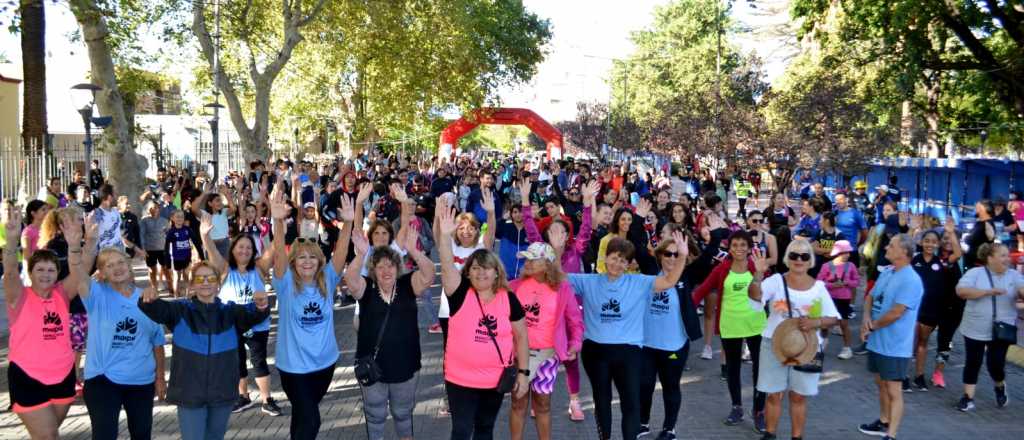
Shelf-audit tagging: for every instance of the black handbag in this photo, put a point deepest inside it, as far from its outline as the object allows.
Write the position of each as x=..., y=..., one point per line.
x=366, y=369
x=1001, y=331
x=688, y=311
x=816, y=365
x=507, y=380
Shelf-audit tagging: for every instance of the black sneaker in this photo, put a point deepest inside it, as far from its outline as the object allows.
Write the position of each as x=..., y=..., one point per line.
x=270, y=408
x=875, y=428
x=759, y=423
x=645, y=430
x=243, y=403
x=965, y=404
x=906, y=386
x=919, y=383
x=735, y=416
x=667, y=434
x=768, y=436
x=724, y=375
x=888, y=437
x=861, y=349
x=1001, y=398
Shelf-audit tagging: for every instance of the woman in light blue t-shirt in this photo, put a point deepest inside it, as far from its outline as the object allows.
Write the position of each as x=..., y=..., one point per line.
x=307, y=349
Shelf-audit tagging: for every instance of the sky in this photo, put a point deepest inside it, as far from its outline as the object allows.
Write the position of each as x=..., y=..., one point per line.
x=587, y=36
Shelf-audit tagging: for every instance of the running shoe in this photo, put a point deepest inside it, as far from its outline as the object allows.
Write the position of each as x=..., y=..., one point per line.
x=667, y=434
x=270, y=408
x=938, y=380
x=1002, y=399
x=575, y=412
x=645, y=430
x=861, y=349
x=906, y=385
x=875, y=428
x=760, y=425
x=746, y=354
x=434, y=328
x=707, y=354
x=768, y=436
x=965, y=404
x=243, y=403
x=845, y=354
x=735, y=416
x=919, y=383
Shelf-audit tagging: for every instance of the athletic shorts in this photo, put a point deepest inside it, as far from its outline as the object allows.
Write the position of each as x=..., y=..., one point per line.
x=180, y=265
x=544, y=375
x=844, y=308
x=154, y=257
x=887, y=367
x=256, y=353
x=28, y=394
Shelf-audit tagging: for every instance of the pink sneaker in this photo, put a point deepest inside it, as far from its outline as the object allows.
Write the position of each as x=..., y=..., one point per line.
x=435, y=328
x=575, y=412
x=938, y=380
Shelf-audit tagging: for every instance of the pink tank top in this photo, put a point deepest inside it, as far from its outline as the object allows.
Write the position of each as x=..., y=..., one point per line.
x=540, y=302
x=471, y=359
x=40, y=339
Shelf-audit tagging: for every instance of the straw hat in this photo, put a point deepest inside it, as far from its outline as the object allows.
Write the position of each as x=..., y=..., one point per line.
x=791, y=346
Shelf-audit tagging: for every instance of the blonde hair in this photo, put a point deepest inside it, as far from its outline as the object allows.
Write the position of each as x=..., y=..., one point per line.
x=51, y=223
x=487, y=260
x=467, y=218
x=799, y=246
x=553, y=275
x=987, y=250
x=313, y=249
x=104, y=258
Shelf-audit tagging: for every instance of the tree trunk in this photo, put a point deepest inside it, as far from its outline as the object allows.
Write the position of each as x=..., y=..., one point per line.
x=127, y=168
x=33, y=62
x=931, y=115
x=907, y=125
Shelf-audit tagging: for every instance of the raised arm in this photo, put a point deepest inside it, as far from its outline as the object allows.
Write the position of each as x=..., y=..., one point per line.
x=353, y=274
x=364, y=193
x=405, y=211
x=533, y=234
x=668, y=280
x=950, y=233
x=487, y=202
x=12, y=276
x=205, y=226
x=279, y=211
x=79, y=262
x=761, y=265
x=424, y=275
x=450, y=277
x=589, y=191
x=340, y=254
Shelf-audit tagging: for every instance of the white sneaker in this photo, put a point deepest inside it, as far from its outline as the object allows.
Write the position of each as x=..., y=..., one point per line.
x=746, y=353
x=845, y=354
x=706, y=354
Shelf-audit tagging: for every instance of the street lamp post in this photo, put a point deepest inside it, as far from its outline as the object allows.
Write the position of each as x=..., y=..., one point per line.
x=215, y=132
x=83, y=96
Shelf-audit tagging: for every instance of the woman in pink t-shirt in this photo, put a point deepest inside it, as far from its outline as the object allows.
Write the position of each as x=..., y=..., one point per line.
x=41, y=374
x=554, y=328
x=487, y=326
x=35, y=212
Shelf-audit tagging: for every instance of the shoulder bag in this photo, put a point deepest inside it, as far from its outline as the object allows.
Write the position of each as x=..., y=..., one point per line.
x=816, y=365
x=507, y=381
x=1001, y=331
x=366, y=369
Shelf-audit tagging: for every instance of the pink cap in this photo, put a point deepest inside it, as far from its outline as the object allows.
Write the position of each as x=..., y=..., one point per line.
x=841, y=246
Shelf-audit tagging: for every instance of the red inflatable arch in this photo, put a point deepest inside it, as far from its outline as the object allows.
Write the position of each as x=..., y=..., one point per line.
x=501, y=116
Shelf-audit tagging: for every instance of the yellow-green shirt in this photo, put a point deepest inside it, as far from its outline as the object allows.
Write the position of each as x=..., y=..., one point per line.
x=738, y=318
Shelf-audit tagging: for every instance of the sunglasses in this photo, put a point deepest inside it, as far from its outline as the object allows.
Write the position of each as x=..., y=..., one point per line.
x=208, y=279
x=799, y=256
x=670, y=254
x=757, y=221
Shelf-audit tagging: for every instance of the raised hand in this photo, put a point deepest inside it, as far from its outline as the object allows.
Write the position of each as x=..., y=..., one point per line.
x=205, y=223
x=590, y=191
x=359, y=243
x=364, y=192
x=92, y=229
x=682, y=245
x=13, y=225
x=949, y=225
x=903, y=217
x=411, y=239
x=486, y=200
x=399, y=193
x=446, y=221
x=279, y=209
x=760, y=260
x=347, y=211
x=643, y=207
x=524, y=191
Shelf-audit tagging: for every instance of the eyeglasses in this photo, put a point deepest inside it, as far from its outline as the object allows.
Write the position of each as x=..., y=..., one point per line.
x=757, y=221
x=670, y=254
x=799, y=256
x=209, y=279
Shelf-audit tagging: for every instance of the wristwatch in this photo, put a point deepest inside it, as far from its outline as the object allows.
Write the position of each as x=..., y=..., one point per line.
x=525, y=372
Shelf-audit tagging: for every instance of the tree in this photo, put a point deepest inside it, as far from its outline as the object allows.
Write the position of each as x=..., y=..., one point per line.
x=33, y=62
x=127, y=168
x=590, y=129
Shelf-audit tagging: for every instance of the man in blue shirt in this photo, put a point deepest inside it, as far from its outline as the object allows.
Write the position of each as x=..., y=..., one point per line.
x=890, y=313
x=850, y=222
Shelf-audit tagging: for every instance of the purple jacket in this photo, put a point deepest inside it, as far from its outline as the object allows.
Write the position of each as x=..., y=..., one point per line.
x=569, y=321
x=573, y=253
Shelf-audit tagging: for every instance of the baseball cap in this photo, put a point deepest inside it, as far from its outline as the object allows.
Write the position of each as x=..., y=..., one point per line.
x=883, y=187
x=538, y=251
x=309, y=205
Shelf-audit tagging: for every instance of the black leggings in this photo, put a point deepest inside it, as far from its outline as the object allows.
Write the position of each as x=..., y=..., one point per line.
x=950, y=316
x=614, y=363
x=742, y=212
x=666, y=367
x=733, y=349
x=992, y=352
x=104, y=400
x=305, y=391
x=473, y=411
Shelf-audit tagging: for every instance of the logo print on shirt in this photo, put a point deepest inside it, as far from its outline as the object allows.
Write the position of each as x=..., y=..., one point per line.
x=52, y=328
x=124, y=333
x=659, y=303
x=247, y=293
x=487, y=327
x=611, y=311
x=532, y=313
x=611, y=305
x=661, y=297
x=311, y=315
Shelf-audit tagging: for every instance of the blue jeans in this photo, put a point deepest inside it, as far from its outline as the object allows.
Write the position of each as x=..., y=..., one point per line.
x=204, y=422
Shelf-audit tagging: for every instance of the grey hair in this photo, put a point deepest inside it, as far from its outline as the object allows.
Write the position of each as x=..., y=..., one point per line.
x=906, y=242
x=381, y=253
x=799, y=246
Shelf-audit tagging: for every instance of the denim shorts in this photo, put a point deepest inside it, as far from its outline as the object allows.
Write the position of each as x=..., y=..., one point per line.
x=888, y=367
x=773, y=377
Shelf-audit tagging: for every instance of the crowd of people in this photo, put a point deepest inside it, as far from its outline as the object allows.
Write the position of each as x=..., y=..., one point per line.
x=543, y=267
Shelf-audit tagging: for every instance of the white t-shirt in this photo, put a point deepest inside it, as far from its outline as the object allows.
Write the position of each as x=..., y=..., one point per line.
x=109, y=228
x=772, y=292
x=461, y=254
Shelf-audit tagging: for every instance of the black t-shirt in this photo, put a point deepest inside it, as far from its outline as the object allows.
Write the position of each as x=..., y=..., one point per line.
x=975, y=239
x=939, y=278
x=399, y=354
x=457, y=298
x=826, y=240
